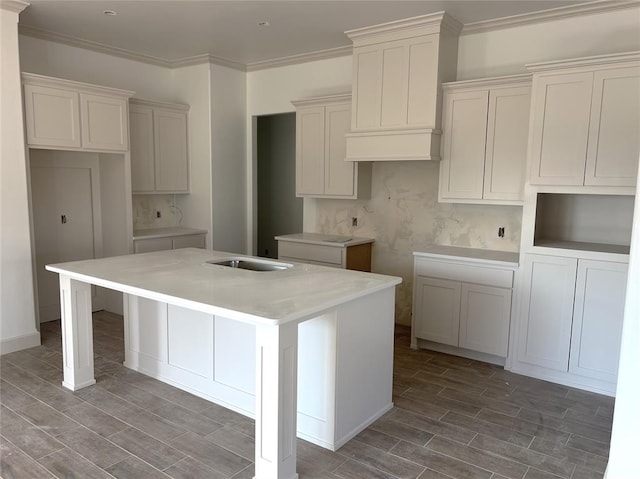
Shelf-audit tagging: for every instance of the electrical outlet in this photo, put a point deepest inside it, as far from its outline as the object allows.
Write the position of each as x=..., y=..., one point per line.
x=501, y=232
x=158, y=214
x=354, y=221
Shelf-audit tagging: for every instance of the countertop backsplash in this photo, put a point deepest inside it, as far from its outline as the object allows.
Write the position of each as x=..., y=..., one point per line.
x=403, y=216
x=146, y=208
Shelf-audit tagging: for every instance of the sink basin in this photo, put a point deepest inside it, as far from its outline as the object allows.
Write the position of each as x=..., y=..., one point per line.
x=250, y=264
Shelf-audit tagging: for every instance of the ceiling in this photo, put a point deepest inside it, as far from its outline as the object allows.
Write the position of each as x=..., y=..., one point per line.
x=229, y=30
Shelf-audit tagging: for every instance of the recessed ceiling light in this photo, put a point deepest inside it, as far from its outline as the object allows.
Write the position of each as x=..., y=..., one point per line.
x=263, y=23
x=111, y=13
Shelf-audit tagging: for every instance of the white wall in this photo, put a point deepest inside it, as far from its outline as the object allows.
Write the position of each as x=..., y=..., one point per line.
x=623, y=460
x=43, y=57
x=192, y=86
x=17, y=300
x=228, y=170
x=271, y=91
x=506, y=51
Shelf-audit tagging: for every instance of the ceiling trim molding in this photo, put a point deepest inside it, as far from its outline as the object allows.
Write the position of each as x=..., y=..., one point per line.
x=207, y=58
x=301, y=58
x=560, y=13
x=15, y=6
x=549, y=15
x=89, y=45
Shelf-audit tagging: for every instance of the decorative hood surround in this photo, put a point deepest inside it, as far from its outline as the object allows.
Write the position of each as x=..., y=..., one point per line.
x=398, y=68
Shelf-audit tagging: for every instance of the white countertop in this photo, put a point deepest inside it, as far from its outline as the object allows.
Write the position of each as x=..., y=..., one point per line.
x=152, y=233
x=181, y=277
x=505, y=258
x=325, y=240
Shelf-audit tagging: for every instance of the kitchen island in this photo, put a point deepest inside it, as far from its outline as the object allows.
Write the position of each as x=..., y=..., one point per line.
x=304, y=349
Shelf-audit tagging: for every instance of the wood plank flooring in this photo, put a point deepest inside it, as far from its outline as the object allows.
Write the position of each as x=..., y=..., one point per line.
x=453, y=418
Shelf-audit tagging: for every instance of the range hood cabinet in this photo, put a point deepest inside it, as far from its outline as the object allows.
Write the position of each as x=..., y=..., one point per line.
x=398, y=68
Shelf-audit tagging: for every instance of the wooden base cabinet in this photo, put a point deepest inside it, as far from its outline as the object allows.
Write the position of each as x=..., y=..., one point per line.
x=463, y=303
x=571, y=318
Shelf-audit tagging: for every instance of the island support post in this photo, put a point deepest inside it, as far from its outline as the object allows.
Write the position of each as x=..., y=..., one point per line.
x=77, y=333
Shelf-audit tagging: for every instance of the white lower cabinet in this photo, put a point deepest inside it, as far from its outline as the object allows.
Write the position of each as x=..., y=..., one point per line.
x=169, y=242
x=597, y=319
x=463, y=303
x=571, y=317
x=485, y=313
x=437, y=310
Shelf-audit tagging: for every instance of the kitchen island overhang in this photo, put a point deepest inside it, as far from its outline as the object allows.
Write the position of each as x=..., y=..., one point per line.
x=209, y=328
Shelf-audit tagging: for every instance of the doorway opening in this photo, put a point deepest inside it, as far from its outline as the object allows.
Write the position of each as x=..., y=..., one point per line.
x=279, y=211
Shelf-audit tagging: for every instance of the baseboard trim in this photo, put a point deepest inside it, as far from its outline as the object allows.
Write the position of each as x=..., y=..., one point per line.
x=18, y=343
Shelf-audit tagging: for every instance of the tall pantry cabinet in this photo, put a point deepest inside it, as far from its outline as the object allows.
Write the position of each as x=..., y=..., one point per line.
x=584, y=145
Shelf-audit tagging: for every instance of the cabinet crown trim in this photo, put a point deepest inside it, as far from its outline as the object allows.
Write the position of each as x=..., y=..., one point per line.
x=511, y=80
x=626, y=57
x=406, y=28
x=42, y=80
x=322, y=100
x=157, y=104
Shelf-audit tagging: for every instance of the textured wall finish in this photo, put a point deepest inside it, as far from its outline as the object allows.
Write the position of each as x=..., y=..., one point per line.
x=403, y=215
x=145, y=208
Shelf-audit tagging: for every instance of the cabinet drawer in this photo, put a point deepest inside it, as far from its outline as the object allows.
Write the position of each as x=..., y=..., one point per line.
x=310, y=252
x=501, y=278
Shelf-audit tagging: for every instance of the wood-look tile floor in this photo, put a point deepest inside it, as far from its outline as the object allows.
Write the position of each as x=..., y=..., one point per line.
x=453, y=418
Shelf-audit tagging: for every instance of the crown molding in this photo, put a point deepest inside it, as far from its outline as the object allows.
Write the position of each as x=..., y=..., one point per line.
x=446, y=22
x=206, y=58
x=521, y=79
x=15, y=6
x=559, y=13
x=322, y=100
x=597, y=60
x=93, y=46
x=301, y=58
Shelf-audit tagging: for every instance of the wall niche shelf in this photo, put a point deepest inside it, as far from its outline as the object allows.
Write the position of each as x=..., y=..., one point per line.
x=581, y=222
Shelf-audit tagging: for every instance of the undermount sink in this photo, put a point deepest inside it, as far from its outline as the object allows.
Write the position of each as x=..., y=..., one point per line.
x=250, y=264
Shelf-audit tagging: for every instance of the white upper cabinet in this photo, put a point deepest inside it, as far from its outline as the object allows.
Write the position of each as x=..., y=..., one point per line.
x=614, y=131
x=585, y=126
x=159, y=147
x=321, y=169
x=63, y=114
x=397, y=71
x=485, y=129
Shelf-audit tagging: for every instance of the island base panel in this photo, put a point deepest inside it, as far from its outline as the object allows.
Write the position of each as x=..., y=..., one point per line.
x=345, y=360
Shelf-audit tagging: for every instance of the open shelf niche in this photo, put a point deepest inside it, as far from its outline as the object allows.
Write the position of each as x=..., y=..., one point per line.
x=600, y=223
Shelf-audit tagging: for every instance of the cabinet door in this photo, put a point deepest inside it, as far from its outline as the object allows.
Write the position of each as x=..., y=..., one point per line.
x=560, y=127
x=170, y=147
x=142, y=158
x=614, y=135
x=189, y=241
x=310, y=151
x=597, y=319
x=485, y=313
x=507, y=136
x=437, y=310
x=465, y=128
x=367, y=87
x=338, y=173
x=52, y=117
x=547, y=309
x=104, y=122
